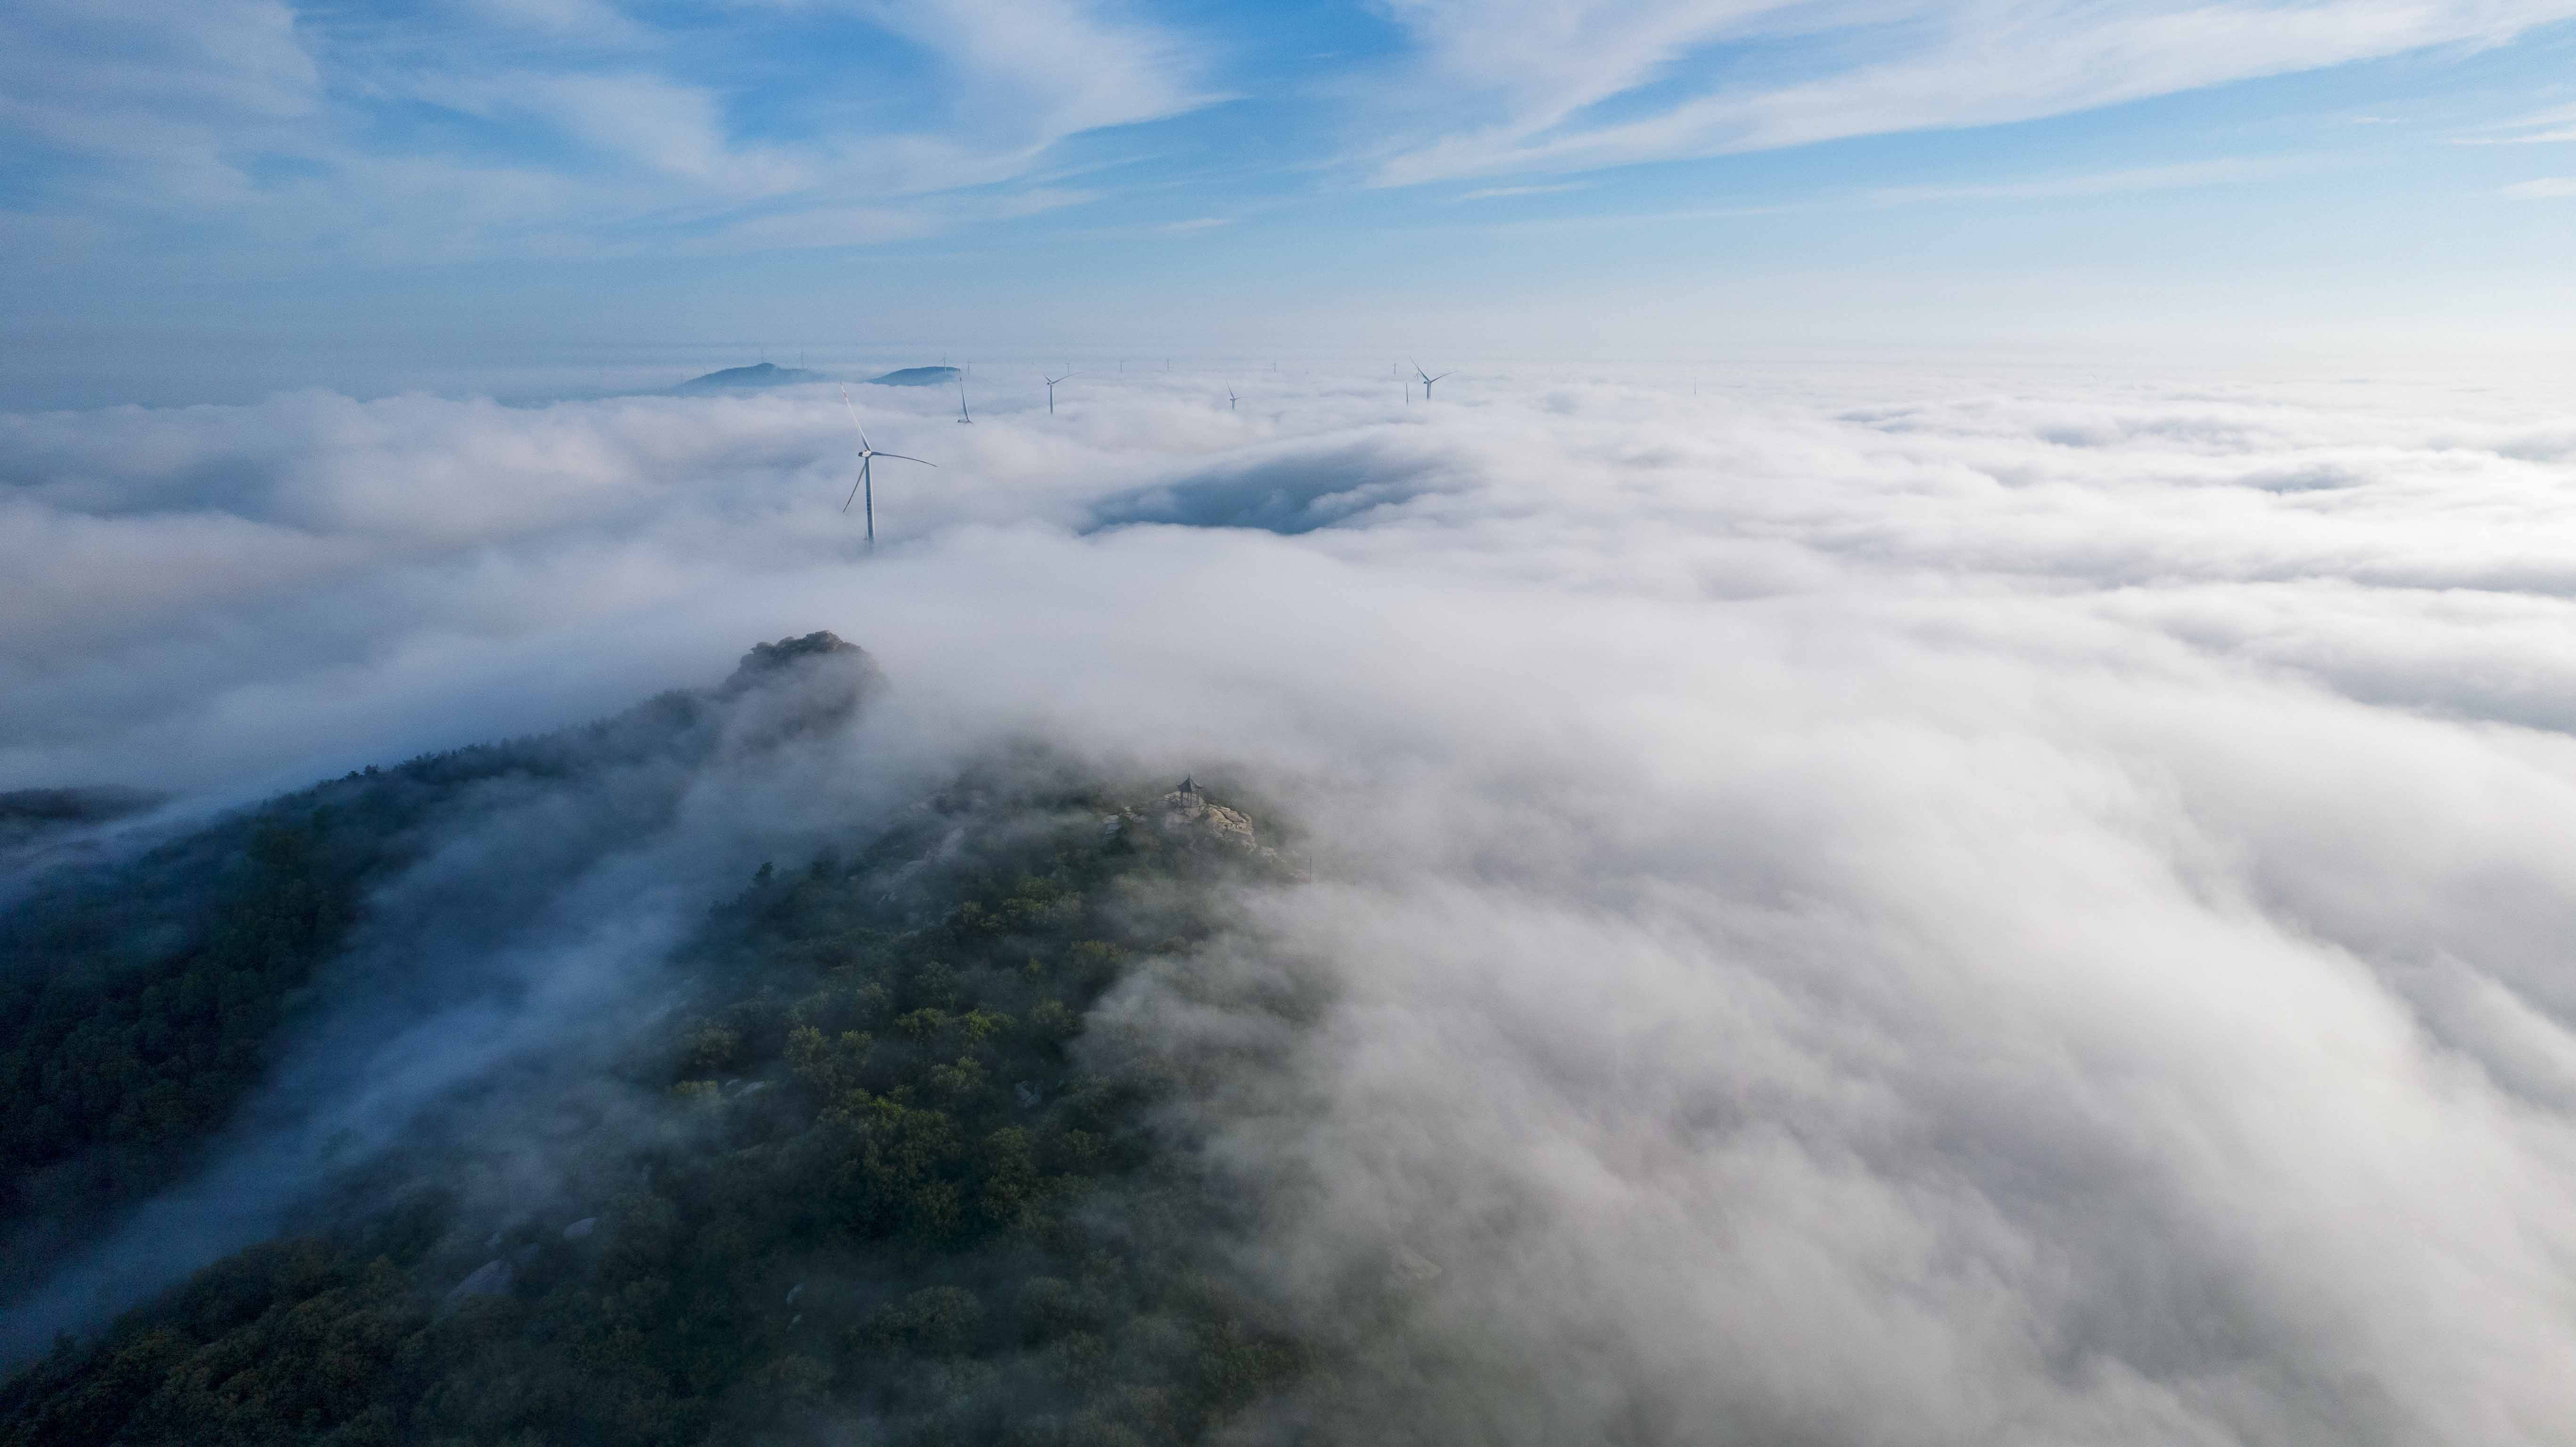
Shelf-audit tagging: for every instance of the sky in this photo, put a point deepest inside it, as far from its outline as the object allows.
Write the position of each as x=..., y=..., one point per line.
x=214, y=200
x=1858, y=904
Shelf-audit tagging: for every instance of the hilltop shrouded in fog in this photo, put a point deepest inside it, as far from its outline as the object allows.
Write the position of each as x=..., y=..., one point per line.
x=842, y=1148
x=1851, y=907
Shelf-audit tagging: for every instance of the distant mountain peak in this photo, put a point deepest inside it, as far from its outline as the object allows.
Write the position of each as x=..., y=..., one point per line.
x=916, y=377
x=759, y=374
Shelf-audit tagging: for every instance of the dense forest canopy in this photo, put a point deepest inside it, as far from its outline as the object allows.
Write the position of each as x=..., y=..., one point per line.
x=871, y=1171
x=141, y=1000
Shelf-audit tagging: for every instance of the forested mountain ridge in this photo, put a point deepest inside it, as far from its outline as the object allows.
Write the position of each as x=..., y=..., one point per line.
x=870, y=1174
x=140, y=1000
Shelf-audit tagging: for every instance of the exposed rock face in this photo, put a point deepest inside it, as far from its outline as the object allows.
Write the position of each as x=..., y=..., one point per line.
x=1188, y=819
x=492, y=1278
x=1407, y=1268
x=1187, y=814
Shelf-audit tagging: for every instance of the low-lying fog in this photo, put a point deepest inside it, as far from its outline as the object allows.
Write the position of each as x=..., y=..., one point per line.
x=1871, y=908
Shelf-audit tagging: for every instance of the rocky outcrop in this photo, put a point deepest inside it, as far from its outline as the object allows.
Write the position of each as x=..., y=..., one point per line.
x=1187, y=814
x=492, y=1278
x=1187, y=818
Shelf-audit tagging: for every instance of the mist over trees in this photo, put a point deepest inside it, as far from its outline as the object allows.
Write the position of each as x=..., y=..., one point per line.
x=862, y=1171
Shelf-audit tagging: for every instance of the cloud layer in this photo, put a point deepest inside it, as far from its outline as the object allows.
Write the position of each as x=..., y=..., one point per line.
x=1859, y=907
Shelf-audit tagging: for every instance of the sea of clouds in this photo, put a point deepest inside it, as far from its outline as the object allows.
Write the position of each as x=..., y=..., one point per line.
x=1863, y=906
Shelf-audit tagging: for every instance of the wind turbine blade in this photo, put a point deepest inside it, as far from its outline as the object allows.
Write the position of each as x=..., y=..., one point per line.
x=924, y=461
x=854, y=489
x=854, y=421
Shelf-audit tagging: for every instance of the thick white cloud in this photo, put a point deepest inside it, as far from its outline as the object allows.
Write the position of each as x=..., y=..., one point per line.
x=1855, y=908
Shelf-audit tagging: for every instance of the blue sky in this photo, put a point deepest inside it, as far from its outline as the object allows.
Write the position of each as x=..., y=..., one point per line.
x=1603, y=177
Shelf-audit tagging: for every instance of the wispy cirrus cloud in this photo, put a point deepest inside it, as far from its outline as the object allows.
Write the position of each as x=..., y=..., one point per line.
x=1496, y=193
x=565, y=128
x=2555, y=124
x=1616, y=82
x=131, y=96
x=2184, y=175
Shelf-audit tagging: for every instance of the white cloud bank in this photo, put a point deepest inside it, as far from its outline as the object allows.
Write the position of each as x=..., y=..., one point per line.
x=1865, y=909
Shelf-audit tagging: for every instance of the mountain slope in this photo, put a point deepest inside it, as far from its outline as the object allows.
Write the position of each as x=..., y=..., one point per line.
x=871, y=1170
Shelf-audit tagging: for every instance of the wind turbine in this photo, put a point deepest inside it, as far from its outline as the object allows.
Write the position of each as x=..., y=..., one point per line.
x=964, y=417
x=1230, y=399
x=1427, y=380
x=1051, y=381
x=868, y=455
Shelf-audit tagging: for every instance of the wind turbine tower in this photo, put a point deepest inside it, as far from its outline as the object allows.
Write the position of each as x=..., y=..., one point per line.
x=1427, y=380
x=1230, y=399
x=964, y=417
x=1051, y=381
x=867, y=481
